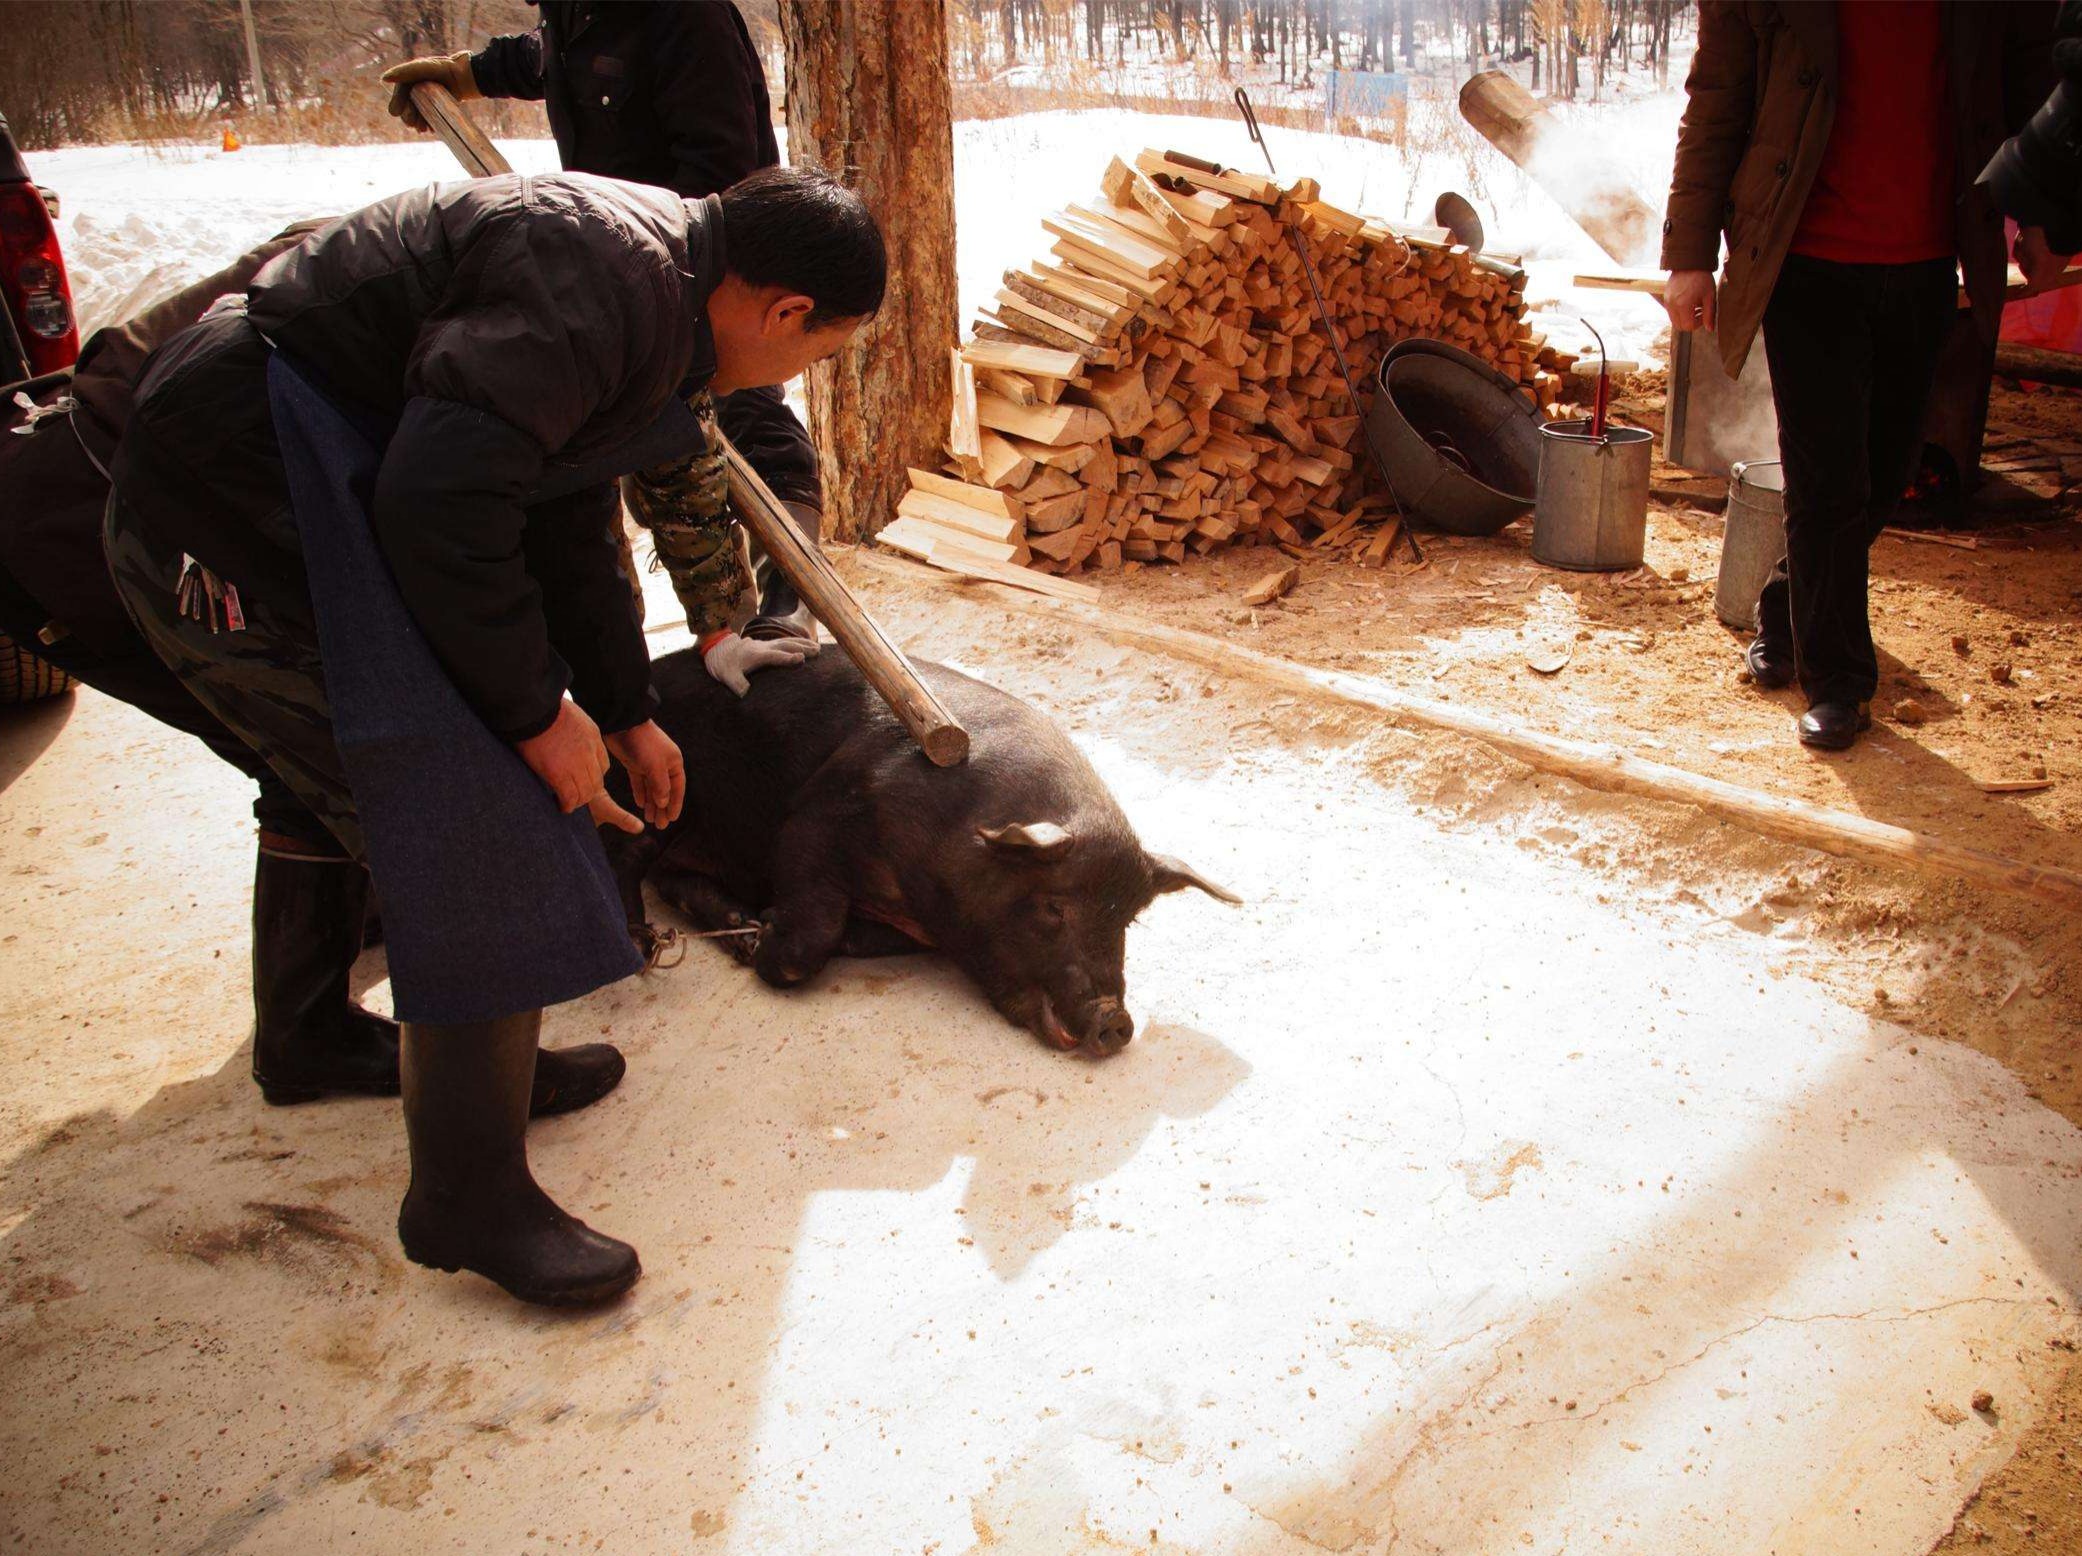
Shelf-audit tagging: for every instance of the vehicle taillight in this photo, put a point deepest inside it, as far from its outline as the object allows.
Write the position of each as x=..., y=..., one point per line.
x=34, y=272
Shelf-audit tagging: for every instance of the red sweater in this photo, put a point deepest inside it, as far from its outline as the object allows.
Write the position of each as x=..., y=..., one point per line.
x=1884, y=193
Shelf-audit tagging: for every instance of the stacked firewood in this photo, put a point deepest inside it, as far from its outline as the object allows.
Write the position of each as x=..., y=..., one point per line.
x=1160, y=383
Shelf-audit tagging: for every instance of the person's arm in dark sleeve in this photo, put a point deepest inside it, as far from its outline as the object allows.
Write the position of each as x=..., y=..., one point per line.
x=1720, y=100
x=2029, y=73
x=710, y=96
x=774, y=443
x=591, y=612
x=508, y=367
x=510, y=66
x=447, y=515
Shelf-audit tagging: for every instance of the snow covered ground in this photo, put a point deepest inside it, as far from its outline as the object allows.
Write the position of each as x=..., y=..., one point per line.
x=138, y=219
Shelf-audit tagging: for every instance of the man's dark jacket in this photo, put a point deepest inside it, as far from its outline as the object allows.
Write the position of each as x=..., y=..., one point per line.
x=667, y=92
x=522, y=333
x=1761, y=100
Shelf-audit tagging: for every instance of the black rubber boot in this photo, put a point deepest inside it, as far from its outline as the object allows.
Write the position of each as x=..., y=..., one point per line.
x=309, y=1039
x=567, y=1079
x=473, y=1204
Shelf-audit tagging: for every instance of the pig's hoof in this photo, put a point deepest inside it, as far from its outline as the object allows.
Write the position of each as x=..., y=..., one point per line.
x=741, y=937
x=659, y=948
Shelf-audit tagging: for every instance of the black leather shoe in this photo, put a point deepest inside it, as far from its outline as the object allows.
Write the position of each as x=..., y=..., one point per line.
x=1834, y=726
x=1770, y=664
x=567, y=1079
x=473, y=1204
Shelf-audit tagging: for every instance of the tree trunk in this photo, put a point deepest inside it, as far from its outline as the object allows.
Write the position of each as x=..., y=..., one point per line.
x=868, y=100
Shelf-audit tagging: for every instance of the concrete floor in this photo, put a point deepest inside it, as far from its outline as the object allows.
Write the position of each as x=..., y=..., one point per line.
x=1446, y=1203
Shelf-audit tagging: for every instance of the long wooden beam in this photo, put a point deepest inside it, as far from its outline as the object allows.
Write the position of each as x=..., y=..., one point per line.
x=1595, y=766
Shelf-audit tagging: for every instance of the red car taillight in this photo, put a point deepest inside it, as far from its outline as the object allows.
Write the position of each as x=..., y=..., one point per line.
x=32, y=278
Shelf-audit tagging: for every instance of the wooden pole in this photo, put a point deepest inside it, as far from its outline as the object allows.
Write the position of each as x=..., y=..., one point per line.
x=253, y=56
x=943, y=740
x=1510, y=119
x=869, y=101
x=1598, y=767
x=458, y=131
x=2038, y=364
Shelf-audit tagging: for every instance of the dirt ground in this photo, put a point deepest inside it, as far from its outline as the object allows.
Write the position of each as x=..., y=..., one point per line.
x=1523, y=1166
x=1979, y=628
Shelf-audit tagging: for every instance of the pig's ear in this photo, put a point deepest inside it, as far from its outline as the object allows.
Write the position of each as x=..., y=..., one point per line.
x=1169, y=874
x=1041, y=839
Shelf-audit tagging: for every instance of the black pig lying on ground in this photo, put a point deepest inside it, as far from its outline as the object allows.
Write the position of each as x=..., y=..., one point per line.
x=812, y=817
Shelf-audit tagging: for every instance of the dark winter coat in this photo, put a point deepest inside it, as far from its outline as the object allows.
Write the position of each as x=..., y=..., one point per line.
x=1761, y=101
x=523, y=334
x=667, y=92
x=57, y=480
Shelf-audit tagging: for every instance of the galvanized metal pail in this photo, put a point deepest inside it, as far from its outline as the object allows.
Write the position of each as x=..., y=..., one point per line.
x=1753, y=539
x=1590, y=511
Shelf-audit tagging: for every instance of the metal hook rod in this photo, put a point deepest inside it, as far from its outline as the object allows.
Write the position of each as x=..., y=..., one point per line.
x=1250, y=123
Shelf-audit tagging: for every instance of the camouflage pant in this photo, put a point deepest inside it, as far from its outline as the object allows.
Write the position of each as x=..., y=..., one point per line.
x=686, y=509
x=265, y=684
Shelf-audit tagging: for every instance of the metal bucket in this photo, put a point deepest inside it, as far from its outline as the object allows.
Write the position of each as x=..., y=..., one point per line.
x=1753, y=538
x=1590, y=512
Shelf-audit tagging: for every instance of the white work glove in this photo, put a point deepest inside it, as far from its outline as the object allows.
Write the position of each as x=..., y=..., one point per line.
x=730, y=658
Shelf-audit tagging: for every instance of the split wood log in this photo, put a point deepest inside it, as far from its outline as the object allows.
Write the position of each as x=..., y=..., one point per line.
x=1606, y=768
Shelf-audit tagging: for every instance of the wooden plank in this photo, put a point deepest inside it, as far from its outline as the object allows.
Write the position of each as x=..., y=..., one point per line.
x=962, y=425
x=907, y=533
x=1104, y=322
x=1137, y=255
x=916, y=504
x=1026, y=578
x=982, y=498
x=1054, y=425
x=1083, y=280
x=1012, y=307
x=1837, y=832
x=1042, y=361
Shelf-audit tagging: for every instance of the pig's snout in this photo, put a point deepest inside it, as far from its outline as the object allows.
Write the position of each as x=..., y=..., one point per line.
x=1109, y=1029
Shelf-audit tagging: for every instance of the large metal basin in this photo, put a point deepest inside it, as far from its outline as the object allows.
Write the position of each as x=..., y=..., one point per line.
x=1460, y=441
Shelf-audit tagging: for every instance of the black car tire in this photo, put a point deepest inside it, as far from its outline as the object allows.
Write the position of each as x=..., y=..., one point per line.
x=25, y=678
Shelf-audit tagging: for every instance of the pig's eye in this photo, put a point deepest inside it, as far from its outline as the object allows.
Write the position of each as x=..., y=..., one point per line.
x=1052, y=911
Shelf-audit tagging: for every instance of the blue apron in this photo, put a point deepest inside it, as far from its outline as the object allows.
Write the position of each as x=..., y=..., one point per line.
x=494, y=901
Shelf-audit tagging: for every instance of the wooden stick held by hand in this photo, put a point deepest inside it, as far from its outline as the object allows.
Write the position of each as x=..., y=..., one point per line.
x=938, y=734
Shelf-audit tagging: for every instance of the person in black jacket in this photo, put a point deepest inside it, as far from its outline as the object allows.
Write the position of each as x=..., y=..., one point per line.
x=363, y=518
x=672, y=93
x=310, y=1039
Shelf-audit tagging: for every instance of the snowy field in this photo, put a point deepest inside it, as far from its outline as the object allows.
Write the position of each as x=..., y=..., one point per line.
x=138, y=219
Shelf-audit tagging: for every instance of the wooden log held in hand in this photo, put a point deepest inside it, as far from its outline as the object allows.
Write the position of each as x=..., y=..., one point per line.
x=943, y=740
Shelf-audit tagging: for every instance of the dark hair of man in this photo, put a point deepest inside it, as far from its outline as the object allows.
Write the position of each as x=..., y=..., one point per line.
x=803, y=230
